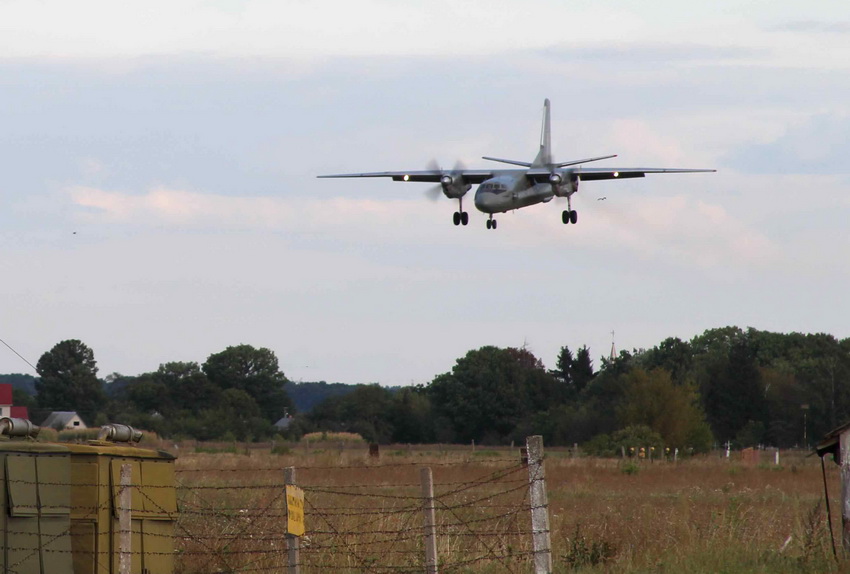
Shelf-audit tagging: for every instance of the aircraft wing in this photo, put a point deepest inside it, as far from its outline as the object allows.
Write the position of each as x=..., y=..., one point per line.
x=429, y=175
x=596, y=173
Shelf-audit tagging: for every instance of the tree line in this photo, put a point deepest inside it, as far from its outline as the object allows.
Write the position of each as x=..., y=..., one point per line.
x=747, y=387
x=236, y=394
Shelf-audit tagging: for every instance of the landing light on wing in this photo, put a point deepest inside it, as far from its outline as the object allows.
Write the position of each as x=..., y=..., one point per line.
x=406, y=178
x=616, y=174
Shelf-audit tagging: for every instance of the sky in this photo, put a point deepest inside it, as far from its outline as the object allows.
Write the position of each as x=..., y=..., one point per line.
x=158, y=198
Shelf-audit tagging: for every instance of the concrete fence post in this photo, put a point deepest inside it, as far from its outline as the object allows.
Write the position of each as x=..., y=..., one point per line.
x=125, y=520
x=429, y=520
x=293, y=543
x=540, y=538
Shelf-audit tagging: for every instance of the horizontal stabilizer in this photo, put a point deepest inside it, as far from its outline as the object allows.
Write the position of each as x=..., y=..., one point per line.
x=578, y=161
x=510, y=161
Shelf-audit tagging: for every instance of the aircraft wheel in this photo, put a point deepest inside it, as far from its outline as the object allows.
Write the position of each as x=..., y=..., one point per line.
x=574, y=216
x=456, y=218
x=464, y=217
x=565, y=217
x=494, y=224
x=489, y=224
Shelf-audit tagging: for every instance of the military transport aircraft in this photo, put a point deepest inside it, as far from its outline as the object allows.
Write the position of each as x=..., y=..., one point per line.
x=502, y=190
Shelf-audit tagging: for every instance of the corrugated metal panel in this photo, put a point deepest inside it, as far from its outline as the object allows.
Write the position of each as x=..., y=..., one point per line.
x=54, y=485
x=23, y=487
x=159, y=497
x=37, y=519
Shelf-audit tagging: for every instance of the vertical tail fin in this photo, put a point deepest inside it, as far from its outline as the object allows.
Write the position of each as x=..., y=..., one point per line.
x=544, y=156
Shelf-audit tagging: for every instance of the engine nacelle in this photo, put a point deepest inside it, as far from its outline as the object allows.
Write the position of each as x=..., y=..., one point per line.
x=454, y=186
x=563, y=184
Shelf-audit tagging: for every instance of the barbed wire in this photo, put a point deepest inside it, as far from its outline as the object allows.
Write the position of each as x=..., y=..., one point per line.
x=241, y=527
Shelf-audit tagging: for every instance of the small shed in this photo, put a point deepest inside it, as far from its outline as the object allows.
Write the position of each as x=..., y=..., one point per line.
x=59, y=509
x=64, y=420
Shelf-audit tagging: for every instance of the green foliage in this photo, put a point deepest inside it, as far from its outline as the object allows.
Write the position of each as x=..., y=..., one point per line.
x=635, y=437
x=254, y=371
x=672, y=411
x=489, y=391
x=601, y=445
x=69, y=380
x=582, y=552
x=749, y=386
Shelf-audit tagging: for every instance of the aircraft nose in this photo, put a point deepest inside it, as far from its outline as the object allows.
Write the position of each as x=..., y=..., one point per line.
x=483, y=201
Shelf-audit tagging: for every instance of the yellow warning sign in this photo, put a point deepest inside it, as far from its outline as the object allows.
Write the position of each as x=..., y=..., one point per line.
x=294, y=510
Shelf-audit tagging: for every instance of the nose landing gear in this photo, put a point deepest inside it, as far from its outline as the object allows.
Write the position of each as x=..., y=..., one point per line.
x=569, y=216
x=491, y=223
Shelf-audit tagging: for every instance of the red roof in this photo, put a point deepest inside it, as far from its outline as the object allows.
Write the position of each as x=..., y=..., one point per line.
x=5, y=394
x=20, y=413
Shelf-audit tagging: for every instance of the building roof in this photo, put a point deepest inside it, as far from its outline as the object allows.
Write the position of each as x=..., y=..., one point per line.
x=283, y=423
x=831, y=443
x=59, y=419
x=20, y=413
x=5, y=394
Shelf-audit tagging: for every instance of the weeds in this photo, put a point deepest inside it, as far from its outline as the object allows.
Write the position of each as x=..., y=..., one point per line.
x=583, y=552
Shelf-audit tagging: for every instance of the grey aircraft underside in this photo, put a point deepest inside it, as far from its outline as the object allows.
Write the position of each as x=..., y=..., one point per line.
x=530, y=183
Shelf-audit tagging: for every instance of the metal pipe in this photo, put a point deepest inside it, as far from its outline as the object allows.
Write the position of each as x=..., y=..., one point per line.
x=119, y=433
x=18, y=427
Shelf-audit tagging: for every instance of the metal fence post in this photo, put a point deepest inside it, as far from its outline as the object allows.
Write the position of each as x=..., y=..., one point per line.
x=539, y=506
x=125, y=524
x=293, y=543
x=429, y=520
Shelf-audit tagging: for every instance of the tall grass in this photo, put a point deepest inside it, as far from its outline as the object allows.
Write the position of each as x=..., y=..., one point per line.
x=706, y=514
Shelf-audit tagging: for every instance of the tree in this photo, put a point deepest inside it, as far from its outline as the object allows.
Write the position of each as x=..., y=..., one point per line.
x=254, y=371
x=673, y=411
x=69, y=380
x=563, y=373
x=489, y=391
x=582, y=368
x=731, y=388
x=367, y=411
x=188, y=386
x=673, y=355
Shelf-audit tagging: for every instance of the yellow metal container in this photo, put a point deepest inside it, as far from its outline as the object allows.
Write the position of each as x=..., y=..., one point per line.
x=35, y=507
x=95, y=469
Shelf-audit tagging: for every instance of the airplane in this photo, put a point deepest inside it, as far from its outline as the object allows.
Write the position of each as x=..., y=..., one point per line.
x=530, y=183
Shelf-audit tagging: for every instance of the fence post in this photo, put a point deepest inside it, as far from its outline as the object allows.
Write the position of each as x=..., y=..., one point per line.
x=293, y=543
x=539, y=506
x=844, y=445
x=125, y=524
x=429, y=520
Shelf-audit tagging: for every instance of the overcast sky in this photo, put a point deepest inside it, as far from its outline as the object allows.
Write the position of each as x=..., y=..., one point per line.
x=158, y=198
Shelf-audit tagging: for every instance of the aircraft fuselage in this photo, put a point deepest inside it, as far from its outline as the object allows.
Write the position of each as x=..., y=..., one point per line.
x=510, y=191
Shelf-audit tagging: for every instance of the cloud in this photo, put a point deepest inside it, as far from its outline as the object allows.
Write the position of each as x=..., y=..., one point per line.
x=814, y=27
x=177, y=208
x=679, y=230
x=650, y=53
x=299, y=29
x=818, y=145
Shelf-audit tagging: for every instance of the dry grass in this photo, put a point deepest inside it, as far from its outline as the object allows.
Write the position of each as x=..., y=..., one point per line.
x=701, y=515
x=314, y=437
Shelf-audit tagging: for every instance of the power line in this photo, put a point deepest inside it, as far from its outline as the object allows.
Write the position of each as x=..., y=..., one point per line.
x=19, y=355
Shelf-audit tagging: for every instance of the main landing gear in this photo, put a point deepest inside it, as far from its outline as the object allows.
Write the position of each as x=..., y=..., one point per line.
x=460, y=217
x=569, y=216
x=491, y=223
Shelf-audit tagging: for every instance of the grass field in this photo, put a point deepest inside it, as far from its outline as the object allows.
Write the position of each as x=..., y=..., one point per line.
x=706, y=514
